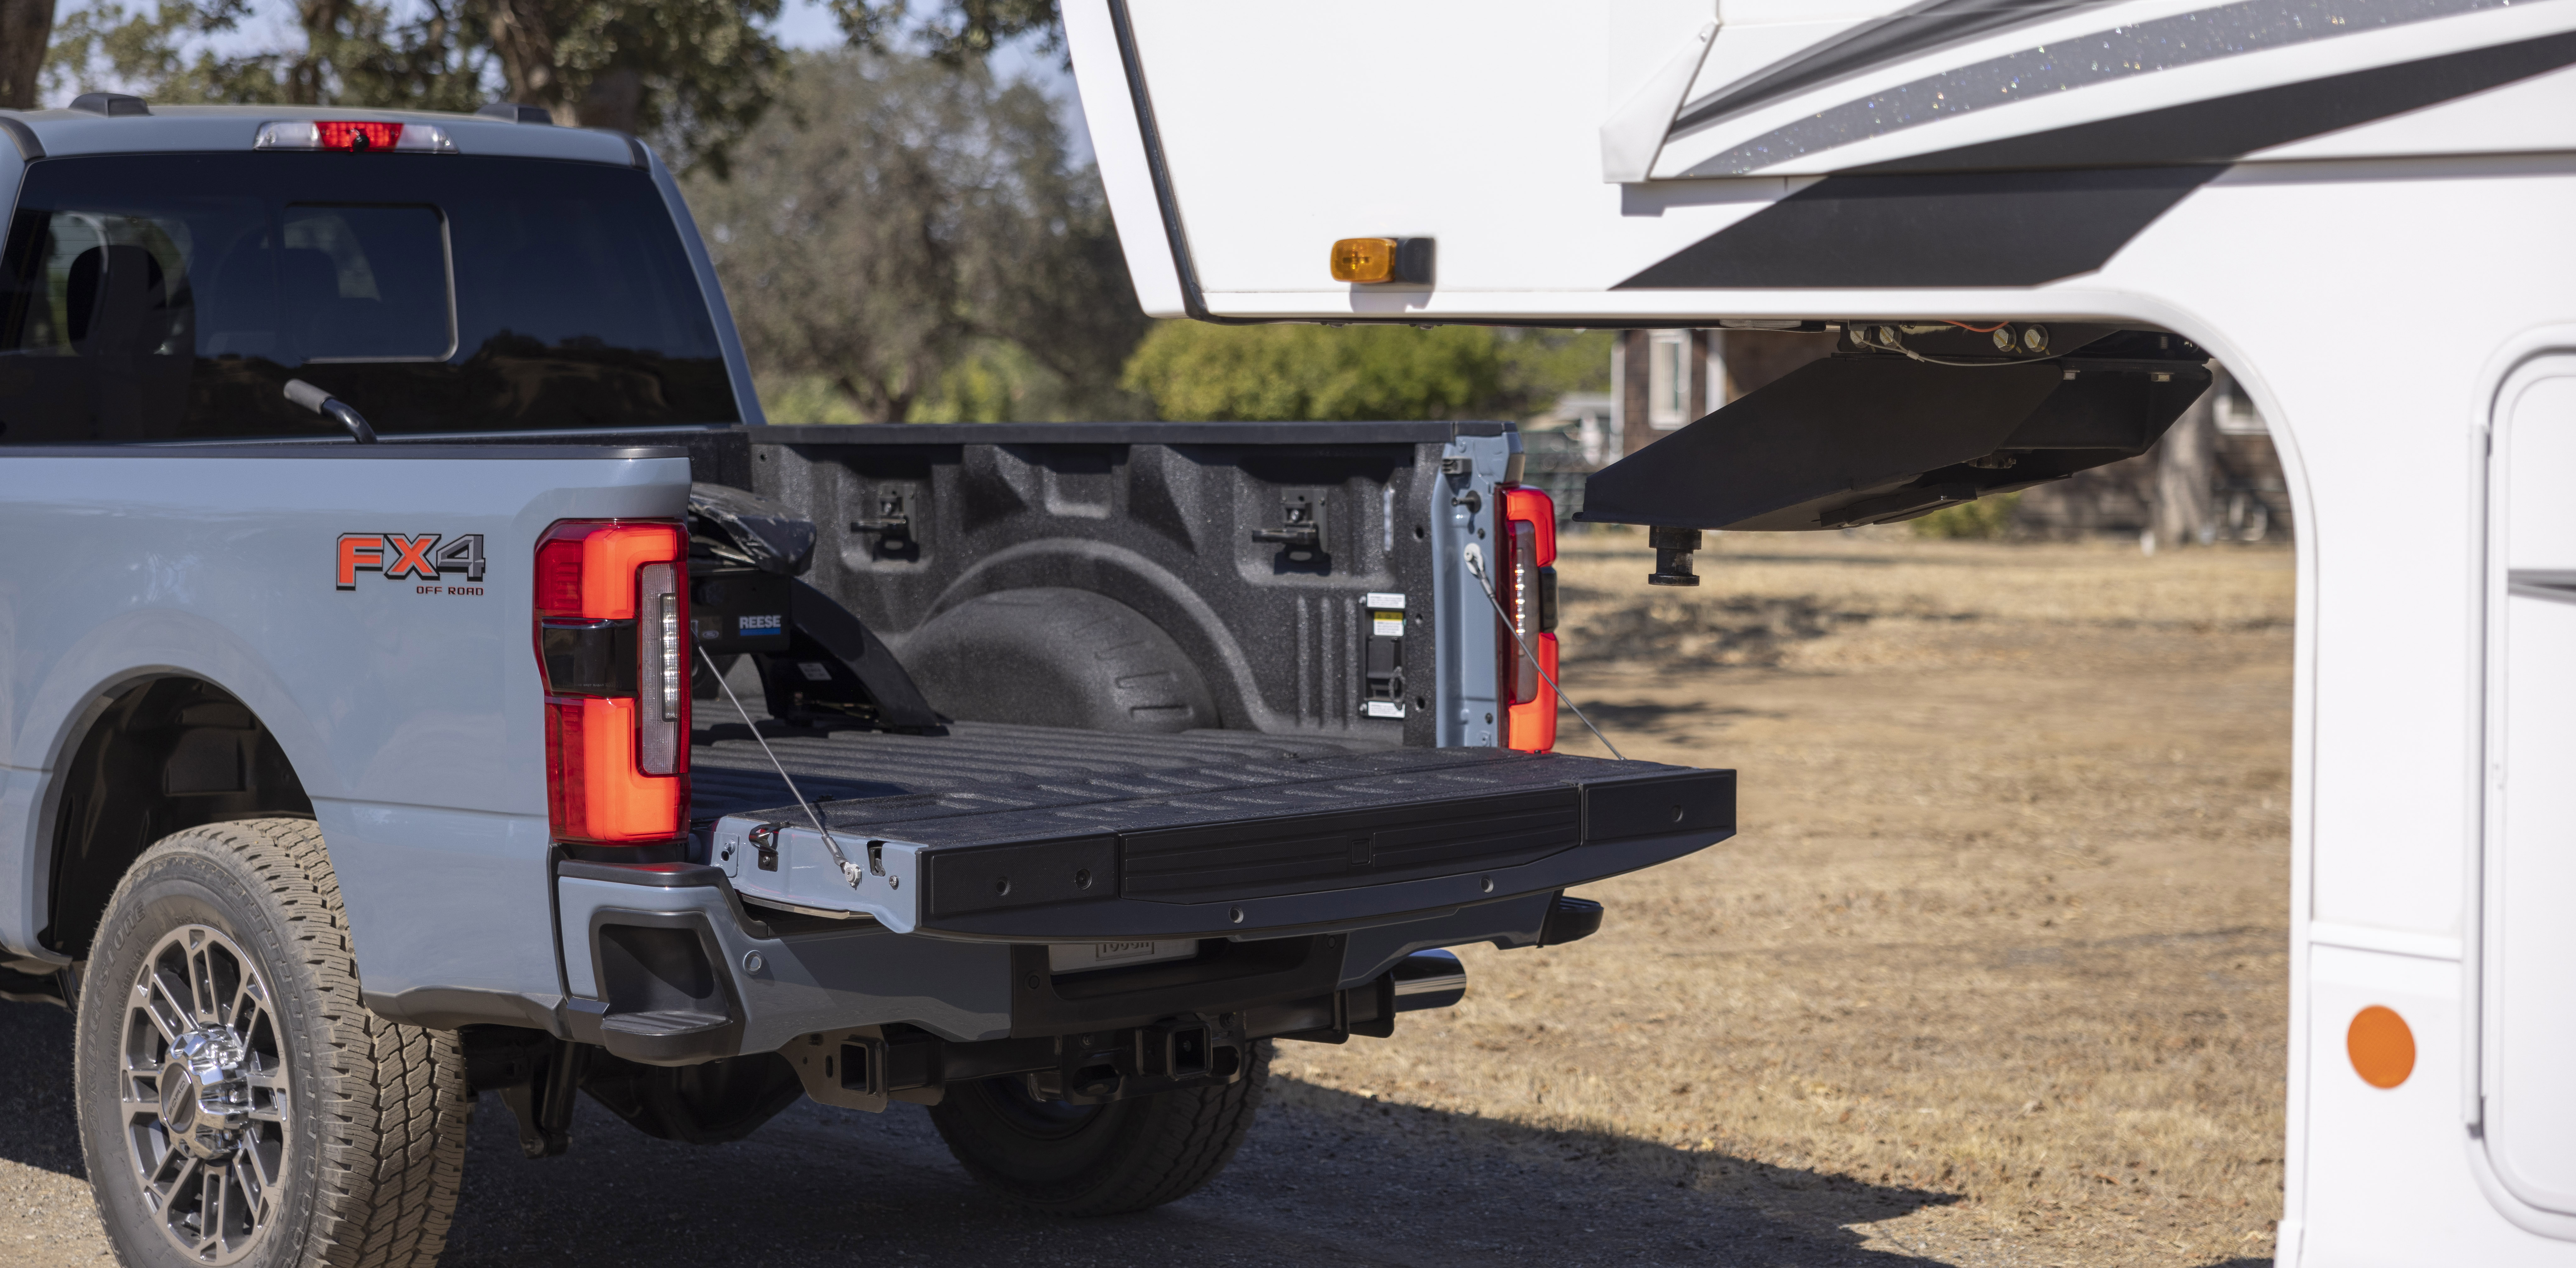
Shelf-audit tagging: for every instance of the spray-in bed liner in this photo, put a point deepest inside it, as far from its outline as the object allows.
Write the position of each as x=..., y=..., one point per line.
x=1031, y=832
x=730, y=775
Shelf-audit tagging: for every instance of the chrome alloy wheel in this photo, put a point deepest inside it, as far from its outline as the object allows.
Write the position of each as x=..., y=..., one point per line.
x=203, y=1095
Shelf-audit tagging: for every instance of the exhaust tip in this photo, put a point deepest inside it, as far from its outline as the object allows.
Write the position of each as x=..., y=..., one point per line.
x=1428, y=979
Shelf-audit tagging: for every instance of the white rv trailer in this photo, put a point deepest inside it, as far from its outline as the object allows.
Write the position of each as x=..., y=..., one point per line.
x=2365, y=209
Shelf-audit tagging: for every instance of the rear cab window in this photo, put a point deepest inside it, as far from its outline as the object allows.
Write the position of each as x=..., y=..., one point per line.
x=171, y=296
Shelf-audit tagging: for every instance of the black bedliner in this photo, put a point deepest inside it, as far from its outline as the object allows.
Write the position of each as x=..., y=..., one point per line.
x=730, y=775
x=1215, y=831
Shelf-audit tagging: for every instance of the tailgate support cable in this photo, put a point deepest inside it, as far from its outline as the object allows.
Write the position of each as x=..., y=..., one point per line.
x=850, y=871
x=1476, y=565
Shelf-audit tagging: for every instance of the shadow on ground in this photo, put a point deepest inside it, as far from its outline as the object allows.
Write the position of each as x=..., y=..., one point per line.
x=1326, y=1177
x=1658, y=716
x=36, y=1128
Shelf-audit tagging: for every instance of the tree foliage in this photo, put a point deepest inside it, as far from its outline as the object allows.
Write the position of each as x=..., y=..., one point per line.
x=692, y=74
x=1985, y=519
x=954, y=31
x=899, y=219
x=1362, y=373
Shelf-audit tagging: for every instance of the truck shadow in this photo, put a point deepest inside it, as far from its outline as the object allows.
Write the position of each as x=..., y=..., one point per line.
x=37, y=1129
x=1325, y=1177
x=1659, y=715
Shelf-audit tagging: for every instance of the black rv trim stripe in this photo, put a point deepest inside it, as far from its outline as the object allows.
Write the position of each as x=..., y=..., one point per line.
x=2150, y=47
x=1910, y=32
x=2034, y=209
x=1193, y=299
x=1952, y=229
x=2224, y=129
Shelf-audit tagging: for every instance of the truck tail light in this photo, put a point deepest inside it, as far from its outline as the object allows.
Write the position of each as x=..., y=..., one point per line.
x=612, y=628
x=1526, y=555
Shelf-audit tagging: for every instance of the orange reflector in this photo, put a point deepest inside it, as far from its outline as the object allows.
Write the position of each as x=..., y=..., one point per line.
x=1364, y=260
x=2381, y=1045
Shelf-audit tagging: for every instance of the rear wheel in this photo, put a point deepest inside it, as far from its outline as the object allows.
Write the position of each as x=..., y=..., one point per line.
x=1098, y=1159
x=238, y=1105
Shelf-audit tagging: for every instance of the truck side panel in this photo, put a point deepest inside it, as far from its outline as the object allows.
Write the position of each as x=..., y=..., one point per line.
x=408, y=706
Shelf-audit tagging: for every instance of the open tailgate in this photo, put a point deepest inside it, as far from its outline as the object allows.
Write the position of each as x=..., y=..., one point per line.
x=1228, y=849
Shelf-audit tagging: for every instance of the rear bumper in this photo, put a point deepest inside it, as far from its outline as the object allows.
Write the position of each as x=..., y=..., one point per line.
x=667, y=966
x=1300, y=885
x=864, y=1067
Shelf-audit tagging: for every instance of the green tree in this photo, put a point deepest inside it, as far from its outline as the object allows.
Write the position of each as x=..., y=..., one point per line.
x=918, y=237
x=1985, y=519
x=1280, y=372
x=692, y=74
x=26, y=27
x=955, y=30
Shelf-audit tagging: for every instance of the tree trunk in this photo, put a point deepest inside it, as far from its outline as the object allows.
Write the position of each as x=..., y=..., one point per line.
x=525, y=42
x=2184, y=462
x=615, y=100
x=304, y=77
x=1639, y=349
x=26, y=27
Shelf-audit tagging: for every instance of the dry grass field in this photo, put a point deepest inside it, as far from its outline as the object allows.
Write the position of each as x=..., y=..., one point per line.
x=1993, y=975
x=2002, y=934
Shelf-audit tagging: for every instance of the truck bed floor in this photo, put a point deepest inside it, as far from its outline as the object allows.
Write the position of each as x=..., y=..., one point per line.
x=729, y=774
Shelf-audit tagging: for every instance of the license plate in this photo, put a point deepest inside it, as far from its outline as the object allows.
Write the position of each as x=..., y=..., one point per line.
x=1079, y=957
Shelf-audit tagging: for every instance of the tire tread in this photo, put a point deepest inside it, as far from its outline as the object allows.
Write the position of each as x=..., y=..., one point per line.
x=1183, y=1140
x=391, y=1105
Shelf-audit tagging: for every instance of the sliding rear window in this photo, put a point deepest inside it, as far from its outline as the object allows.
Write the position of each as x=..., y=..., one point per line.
x=170, y=296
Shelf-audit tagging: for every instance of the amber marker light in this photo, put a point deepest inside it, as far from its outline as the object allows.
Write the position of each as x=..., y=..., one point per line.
x=1364, y=260
x=2382, y=1046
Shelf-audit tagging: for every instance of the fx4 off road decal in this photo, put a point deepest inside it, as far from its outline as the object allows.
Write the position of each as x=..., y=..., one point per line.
x=424, y=557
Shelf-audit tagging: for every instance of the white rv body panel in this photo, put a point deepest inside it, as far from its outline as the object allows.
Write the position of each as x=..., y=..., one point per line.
x=1267, y=133
x=2094, y=62
x=2388, y=289
x=1118, y=146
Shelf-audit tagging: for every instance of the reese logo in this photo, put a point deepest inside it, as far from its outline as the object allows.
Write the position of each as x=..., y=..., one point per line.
x=395, y=556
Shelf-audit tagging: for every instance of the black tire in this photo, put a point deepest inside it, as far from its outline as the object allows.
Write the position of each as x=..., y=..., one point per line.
x=1098, y=1159
x=318, y=1133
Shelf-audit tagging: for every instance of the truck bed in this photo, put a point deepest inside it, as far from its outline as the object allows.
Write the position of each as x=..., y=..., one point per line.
x=1019, y=833
x=730, y=775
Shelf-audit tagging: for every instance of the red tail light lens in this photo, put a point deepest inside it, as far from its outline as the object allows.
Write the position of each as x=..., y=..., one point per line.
x=612, y=641
x=359, y=136
x=353, y=136
x=1527, y=553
